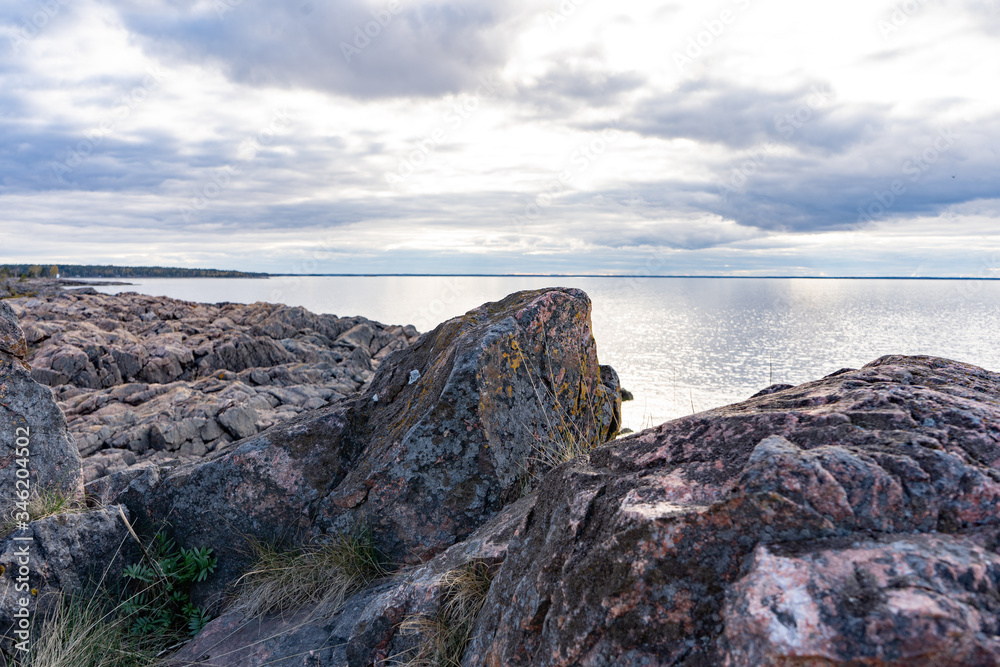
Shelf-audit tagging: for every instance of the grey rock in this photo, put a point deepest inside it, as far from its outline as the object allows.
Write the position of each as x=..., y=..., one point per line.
x=424, y=466
x=173, y=361
x=773, y=389
x=33, y=432
x=357, y=336
x=210, y=431
x=365, y=631
x=11, y=337
x=852, y=520
x=239, y=421
x=67, y=553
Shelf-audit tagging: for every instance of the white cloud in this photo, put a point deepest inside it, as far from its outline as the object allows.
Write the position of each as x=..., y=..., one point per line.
x=513, y=136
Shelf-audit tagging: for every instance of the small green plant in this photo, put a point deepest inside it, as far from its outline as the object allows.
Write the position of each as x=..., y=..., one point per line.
x=285, y=580
x=161, y=606
x=445, y=636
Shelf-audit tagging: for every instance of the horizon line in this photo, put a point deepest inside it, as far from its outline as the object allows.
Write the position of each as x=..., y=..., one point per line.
x=604, y=275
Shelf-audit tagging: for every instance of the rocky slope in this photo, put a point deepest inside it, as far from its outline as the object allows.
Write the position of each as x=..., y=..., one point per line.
x=143, y=378
x=850, y=521
x=449, y=432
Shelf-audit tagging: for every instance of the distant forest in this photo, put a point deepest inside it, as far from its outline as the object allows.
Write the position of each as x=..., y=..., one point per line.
x=108, y=271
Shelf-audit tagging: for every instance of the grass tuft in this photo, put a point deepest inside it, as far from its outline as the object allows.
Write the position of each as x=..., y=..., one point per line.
x=286, y=580
x=43, y=504
x=53, y=501
x=564, y=440
x=81, y=631
x=445, y=636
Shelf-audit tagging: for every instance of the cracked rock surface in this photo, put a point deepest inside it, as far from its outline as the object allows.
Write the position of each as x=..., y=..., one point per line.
x=143, y=378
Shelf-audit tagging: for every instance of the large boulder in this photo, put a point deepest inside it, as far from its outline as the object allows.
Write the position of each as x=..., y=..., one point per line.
x=849, y=521
x=33, y=432
x=12, y=341
x=450, y=431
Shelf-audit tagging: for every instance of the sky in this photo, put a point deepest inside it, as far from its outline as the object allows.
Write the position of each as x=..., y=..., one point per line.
x=741, y=137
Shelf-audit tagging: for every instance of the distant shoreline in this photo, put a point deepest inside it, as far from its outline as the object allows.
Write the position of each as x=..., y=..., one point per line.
x=265, y=276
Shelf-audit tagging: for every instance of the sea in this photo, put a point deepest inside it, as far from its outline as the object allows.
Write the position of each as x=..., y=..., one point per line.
x=680, y=345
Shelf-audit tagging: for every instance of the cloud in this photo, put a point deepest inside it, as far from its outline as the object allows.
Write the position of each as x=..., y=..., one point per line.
x=726, y=113
x=911, y=169
x=395, y=48
x=764, y=147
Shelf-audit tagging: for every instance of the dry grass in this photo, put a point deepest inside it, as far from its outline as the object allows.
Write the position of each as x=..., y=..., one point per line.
x=445, y=636
x=564, y=440
x=45, y=503
x=84, y=632
x=50, y=502
x=286, y=580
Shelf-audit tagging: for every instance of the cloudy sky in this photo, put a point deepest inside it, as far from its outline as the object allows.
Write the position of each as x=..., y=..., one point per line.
x=741, y=137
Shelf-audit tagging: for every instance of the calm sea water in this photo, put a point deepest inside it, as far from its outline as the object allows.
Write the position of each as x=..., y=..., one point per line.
x=679, y=344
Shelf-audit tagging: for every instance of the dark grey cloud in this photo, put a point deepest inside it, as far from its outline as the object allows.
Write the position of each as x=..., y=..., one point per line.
x=738, y=117
x=918, y=168
x=393, y=48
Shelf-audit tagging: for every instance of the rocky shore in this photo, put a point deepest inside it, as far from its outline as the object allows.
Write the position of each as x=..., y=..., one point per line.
x=144, y=379
x=852, y=520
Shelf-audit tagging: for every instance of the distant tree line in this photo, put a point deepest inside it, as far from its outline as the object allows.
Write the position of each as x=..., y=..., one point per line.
x=109, y=271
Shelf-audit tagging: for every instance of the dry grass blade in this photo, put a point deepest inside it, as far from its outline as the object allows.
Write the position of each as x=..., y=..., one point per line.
x=444, y=637
x=564, y=440
x=79, y=632
x=284, y=580
x=50, y=502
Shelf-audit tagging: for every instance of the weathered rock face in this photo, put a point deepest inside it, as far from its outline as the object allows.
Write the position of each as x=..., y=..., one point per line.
x=497, y=389
x=147, y=378
x=65, y=554
x=850, y=521
x=748, y=535
x=898, y=600
x=30, y=418
x=11, y=337
x=449, y=432
x=365, y=631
